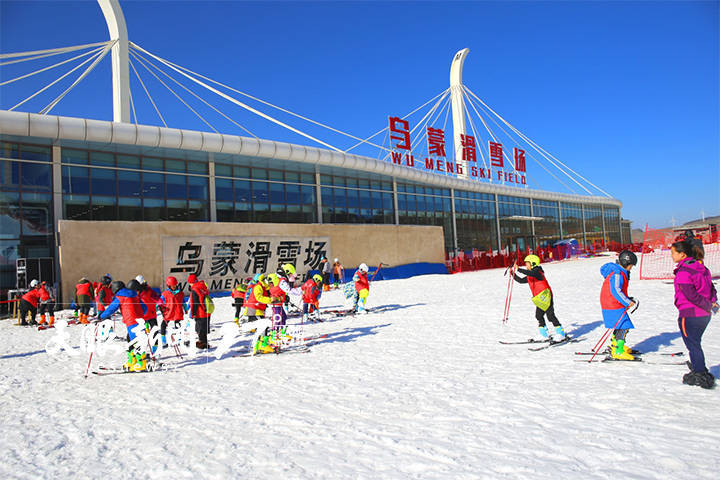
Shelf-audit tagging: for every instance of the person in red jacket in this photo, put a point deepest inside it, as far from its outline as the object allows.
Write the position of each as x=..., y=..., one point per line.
x=47, y=305
x=150, y=299
x=171, y=306
x=126, y=300
x=542, y=296
x=29, y=304
x=198, y=310
x=83, y=298
x=311, y=292
x=362, y=289
x=258, y=298
x=103, y=294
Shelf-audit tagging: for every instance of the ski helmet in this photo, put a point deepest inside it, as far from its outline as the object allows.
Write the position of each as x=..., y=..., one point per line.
x=273, y=279
x=317, y=278
x=533, y=260
x=192, y=278
x=107, y=279
x=289, y=269
x=363, y=267
x=171, y=282
x=627, y=258
x=33, y=283
x=134, y=285
x=337, y=260
x=141, y=280
x=116, y=286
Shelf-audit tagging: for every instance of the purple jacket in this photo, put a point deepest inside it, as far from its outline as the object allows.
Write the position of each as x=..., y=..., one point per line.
x=694, y=290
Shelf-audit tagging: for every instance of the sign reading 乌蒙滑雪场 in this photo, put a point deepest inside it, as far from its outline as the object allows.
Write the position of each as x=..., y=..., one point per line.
x=224, y=261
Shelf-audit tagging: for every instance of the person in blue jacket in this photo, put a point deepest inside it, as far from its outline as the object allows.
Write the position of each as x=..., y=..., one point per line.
x=615, y=302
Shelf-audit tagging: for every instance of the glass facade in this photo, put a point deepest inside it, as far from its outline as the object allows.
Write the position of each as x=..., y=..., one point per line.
x=122, y=182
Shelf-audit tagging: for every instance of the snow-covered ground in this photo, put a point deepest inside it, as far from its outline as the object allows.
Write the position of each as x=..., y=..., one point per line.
x=421, y=390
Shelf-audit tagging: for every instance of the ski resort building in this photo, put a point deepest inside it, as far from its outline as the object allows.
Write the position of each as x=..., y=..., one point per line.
x=94, y=196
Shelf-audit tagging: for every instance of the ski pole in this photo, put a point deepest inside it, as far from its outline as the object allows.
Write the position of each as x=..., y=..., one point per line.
x=605, y=336
x=92, y=351
x=508, y=294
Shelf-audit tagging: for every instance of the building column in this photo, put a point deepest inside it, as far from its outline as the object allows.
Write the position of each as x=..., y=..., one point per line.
x=602, y=215
x=395, y=202
x=582, y=209
x=532, y=224
x=318, y=196
x=497, y=222
x=560, y=220
x=454, y=220
x=57, y=197
x=211, y=187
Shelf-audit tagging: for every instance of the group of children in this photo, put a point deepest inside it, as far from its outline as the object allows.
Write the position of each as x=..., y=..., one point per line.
x=695, y=298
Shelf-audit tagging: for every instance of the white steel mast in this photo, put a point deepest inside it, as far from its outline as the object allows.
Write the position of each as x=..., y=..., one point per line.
x=120, y=61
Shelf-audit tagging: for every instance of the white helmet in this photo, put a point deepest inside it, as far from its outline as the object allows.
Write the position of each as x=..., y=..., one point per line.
x=33, y=283
x=363, y=267
x=337, y=260
x=140, y=279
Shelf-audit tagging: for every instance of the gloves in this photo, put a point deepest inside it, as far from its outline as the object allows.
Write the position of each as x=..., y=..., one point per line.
x=715, y=308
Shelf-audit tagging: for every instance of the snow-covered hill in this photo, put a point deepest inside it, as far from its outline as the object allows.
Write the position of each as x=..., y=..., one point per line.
x=421, y=390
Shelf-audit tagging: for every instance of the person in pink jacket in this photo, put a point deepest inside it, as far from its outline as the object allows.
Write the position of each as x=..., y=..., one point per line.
x=696, y=300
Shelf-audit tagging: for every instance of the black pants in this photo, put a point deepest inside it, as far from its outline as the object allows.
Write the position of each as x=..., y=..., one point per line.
x=202, y=328
x=238, y=306
x=326, y=278
x=26, y=307
x=47, y=307
x=164, y=324
x=83, y=304
x=151, y=323
x=550, y=312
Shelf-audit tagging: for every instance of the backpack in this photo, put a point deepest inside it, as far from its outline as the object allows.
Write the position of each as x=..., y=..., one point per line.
x=209, y=305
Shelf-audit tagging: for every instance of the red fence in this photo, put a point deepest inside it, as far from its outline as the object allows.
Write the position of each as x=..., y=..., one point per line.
x=656, y=262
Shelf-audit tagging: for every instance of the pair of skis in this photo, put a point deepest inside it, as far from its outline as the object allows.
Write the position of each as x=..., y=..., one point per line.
x=547, y=343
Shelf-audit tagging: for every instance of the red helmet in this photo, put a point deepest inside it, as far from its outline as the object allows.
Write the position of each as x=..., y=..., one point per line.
x=192, y=278
x=171, y=282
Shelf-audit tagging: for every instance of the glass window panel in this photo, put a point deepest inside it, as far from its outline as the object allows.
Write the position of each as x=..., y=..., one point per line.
x=275, y=175
x=9, y=175
x=197, y=211
x=175, y=166
x=198, y=188
x=150, y=163
x=365, y=202
x=352, y=199
x=153, y=185
x=277, y=193
x=77, y=207
x=75, y=180
x=177, y=210
x=377, y=201
x=224, y=211
x=308, y=195
x=338, y=181
x=388, y=201
x=69, y=155
x=36, y=176
x=387, y=186
x=31, y=152
x=260, y=192
x=9, y=216
x=243, y=194
x=223, y=190
x=103, y=208
x=198, y=167
x=351, y=182
x=326, y=180
x=259, y=173
x=339, y=198
x=327, y=197
x=292, y=177
x=9, y=150
x=129, y=184
x=293, y=194
x=223, y=170
x=128, y=161
x=402, y=202
x=241, y=172
x=102, y=158
x=103, y=182
x=130, y=209
x=307, y=178
x=362, y=183
x=176, y=187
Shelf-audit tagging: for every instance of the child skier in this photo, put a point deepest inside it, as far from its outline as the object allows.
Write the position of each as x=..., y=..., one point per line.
x=542, y=296
x=615, y=302
x=338, y=274
x=311, y=290
x=150, y=300
x=103, y=294
x=84, y=298
x=198, y=310
x=47, y=304
x=172, y=307
x=362, y=289
x=257, y=298
x=127, y=301
x=238, y=296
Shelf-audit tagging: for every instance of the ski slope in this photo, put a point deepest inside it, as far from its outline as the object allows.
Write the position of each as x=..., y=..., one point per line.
x=421, y=390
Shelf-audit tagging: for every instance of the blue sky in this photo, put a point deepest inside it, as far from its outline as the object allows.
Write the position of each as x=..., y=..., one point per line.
x=625, y=93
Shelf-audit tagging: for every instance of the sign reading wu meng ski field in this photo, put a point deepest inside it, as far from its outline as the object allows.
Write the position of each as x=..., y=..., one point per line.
x=224, y=261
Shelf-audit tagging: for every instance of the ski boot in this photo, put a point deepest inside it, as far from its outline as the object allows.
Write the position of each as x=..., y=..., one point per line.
x=51, y=322
x=619, y=353
x=42, y=319
x=140, y=362
x=559, y=334
x=614, y=344
x=544, y=335
x=263, y=345
x=130, y=364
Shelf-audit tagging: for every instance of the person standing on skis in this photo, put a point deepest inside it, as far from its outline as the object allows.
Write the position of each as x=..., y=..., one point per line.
x=84, y=298
x=615, y=303
x=542, y=296
x=103, y=294
x=362, y=289
x=311, y=292
x=47, y=304
x=198, y=310
x=171, y=307
x=127, y=301
x=338, y=273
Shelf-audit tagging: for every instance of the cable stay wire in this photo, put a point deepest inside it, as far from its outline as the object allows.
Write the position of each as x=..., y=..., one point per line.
x=532, y=157
x=47, y=53
x=429, y=121
x=146, y=92
x=476, y=134
x=132, y=107
x=238, y=102
x=404, y=117
x=173, y=92
x=88, y=60
x=7, y=82
x=87, y=71
x=140, y=58
x=542, y=151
